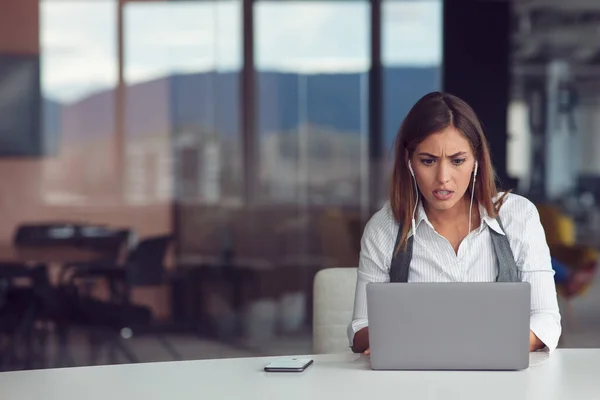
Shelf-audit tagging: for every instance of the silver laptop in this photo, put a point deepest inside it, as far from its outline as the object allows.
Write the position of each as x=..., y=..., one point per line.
x=449, y=326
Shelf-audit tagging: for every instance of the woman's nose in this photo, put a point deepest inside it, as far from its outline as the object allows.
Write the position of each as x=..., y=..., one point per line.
x=443, y=172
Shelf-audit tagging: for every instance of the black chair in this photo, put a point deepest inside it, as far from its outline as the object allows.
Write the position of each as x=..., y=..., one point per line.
x=21, y=307
x=107, y=242
x=119, y=318
x=45, y=234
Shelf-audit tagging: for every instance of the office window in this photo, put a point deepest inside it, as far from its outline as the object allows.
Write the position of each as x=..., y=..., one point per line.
x=412, y=60
x=312, y=93
x=181, y=71
x=78, y=51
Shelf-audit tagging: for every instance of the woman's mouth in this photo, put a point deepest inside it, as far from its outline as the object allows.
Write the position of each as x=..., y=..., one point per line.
x=443, y=194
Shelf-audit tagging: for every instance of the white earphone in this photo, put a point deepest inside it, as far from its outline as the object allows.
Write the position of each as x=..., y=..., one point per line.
x=472, y=192
x=414, y=231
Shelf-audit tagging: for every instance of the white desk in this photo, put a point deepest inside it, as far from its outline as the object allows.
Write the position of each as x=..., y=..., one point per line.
x=568, y=374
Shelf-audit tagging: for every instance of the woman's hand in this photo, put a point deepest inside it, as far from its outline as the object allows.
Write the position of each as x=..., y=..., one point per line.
x=361, y=341
x=534, y=342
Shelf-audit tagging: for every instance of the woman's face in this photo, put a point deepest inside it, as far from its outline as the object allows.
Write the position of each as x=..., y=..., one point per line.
x=443, y=165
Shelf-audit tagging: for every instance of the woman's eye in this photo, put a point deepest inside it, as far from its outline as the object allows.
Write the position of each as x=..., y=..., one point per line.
x=458, y=161
x=427, y=161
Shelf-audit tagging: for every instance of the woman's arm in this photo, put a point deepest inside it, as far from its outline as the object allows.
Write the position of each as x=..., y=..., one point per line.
x=533, y=260
x=377, y=245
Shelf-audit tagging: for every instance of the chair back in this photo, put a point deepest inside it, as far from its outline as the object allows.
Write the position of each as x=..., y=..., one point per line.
x=146, y=262
x=333, y=306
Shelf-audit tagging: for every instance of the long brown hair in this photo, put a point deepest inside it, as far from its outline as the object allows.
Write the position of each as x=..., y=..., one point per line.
x=431, y=114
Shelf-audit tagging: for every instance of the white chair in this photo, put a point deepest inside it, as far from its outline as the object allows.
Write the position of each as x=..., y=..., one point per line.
x=333, y=305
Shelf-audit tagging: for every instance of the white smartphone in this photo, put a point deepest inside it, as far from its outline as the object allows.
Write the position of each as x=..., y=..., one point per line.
x=289, y=365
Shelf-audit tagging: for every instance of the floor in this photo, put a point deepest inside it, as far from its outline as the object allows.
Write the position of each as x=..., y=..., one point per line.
x=190, y=347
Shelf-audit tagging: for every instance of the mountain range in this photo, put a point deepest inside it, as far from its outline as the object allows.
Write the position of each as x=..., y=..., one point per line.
x=211, y=99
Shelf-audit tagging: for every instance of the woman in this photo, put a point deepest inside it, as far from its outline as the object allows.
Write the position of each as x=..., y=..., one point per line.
x=444, y=205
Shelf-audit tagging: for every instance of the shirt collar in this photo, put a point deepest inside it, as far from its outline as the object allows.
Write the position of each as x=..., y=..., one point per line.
x=485, y=218
x=490, y=221
x=421, y=216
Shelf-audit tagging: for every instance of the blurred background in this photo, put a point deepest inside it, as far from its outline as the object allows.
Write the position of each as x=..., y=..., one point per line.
x=173, y=174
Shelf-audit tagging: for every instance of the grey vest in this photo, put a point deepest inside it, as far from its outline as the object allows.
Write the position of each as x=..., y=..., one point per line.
x=507, y=266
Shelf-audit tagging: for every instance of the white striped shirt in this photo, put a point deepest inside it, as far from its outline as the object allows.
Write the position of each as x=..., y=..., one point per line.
x=434, y=260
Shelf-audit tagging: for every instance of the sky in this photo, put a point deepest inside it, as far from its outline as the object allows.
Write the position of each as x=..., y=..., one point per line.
x=79, y=39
